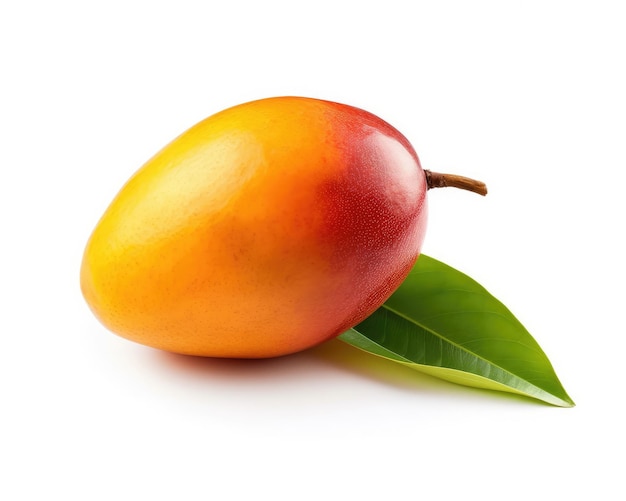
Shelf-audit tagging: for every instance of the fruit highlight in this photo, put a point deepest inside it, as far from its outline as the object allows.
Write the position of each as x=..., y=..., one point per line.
x=263, y=230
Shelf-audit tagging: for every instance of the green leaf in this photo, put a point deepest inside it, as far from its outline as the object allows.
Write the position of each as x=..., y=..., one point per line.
x=443, y=323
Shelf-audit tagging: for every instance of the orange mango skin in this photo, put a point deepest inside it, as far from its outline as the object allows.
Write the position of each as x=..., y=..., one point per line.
x=263, y=230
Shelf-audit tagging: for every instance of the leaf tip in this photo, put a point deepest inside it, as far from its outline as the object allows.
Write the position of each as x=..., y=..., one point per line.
x=563, y=401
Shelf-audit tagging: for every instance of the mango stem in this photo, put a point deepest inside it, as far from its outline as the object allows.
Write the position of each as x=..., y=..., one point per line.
x=438, y=180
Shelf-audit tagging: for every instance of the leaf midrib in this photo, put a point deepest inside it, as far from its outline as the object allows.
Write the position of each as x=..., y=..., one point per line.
x=435, y=333
x=552, y=397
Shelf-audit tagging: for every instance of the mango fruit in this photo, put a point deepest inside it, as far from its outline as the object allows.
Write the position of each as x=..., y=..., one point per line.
x=265, y=229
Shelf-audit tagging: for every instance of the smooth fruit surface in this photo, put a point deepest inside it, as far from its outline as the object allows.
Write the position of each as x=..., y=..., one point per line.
x=263, y=230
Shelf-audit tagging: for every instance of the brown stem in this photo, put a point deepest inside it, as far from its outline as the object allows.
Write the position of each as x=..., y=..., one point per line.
x=438, y=180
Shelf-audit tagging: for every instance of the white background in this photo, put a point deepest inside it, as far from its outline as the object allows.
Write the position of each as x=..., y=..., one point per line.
x=527, y=96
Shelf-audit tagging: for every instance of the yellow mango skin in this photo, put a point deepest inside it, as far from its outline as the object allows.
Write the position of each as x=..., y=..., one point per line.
x=263, y=230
